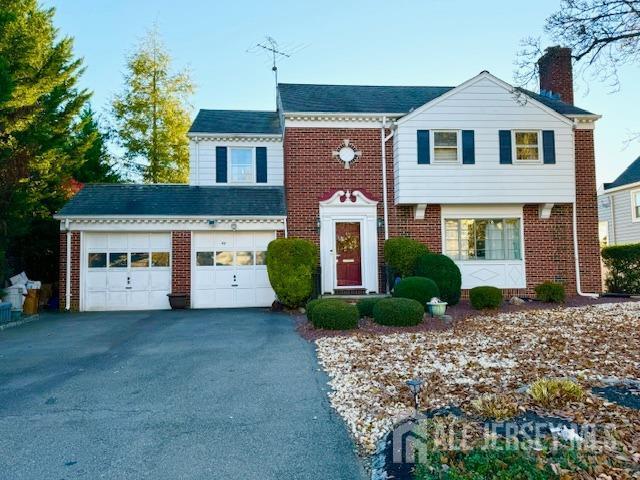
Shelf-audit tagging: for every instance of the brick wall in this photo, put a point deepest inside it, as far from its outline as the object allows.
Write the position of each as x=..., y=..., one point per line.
x=587, y=212
x=311, y=172
x=75, y=270
x=181, y=262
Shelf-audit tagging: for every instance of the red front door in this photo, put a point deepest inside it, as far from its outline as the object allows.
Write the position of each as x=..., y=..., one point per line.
x=348, y=254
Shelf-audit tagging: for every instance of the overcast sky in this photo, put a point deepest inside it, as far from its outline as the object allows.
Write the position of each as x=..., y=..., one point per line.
x=429, y=42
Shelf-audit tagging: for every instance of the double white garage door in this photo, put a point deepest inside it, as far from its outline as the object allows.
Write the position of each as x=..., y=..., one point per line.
x=132, y=271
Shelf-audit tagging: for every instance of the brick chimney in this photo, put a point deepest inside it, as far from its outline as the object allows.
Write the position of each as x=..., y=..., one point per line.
x=556, y=73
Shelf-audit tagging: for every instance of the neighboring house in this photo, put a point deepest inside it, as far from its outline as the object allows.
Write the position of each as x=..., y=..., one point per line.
x=619, y=208
x=483, y=172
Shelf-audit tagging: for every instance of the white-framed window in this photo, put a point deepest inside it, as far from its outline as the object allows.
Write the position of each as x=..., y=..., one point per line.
x=241, y=165
x=483, y=238
x=527, y=146
x=635, y=205
x=446, y=146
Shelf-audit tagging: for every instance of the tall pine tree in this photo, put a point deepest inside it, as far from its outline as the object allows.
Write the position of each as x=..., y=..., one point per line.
x=41, y=134
x=153, y=115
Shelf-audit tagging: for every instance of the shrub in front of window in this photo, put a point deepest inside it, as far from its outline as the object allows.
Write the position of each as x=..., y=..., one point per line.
x=623, y=265
x=290, y=265
x=365, y=306
x=332, y=314
x=550, y=292
x=311, y=304
x=485, y=297
x=398, y=312
x=444, y=272
x=420, y=289
x=401, y=253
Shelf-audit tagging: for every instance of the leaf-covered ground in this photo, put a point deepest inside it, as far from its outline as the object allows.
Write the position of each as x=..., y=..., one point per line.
x=489, y=354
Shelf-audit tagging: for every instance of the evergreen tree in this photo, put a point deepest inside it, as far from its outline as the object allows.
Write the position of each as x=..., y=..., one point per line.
x=41, y=134
x=98, y=165
x=153, y=115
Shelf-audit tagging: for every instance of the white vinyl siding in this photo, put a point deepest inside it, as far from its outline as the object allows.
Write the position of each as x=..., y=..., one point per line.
x=485, y=107
x=622, y=227
x=202, y=160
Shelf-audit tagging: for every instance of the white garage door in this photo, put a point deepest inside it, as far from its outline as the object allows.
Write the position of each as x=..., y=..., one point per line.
x=126, y=271
x=229, y=270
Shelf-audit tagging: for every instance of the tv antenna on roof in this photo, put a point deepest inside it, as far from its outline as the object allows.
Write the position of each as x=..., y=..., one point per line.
x=276, y=52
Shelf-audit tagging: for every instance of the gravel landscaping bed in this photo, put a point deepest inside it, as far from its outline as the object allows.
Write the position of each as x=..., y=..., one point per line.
x=458, y=313
x=489, y=354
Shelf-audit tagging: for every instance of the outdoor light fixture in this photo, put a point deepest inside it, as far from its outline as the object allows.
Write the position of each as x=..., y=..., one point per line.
x=415, y=385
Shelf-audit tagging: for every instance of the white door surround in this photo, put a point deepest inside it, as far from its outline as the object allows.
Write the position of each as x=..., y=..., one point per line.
x=346, y=206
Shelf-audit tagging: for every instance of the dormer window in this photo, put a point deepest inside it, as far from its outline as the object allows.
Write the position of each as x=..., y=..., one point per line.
x=526, y=146
x=241, y=168
x=446, y=146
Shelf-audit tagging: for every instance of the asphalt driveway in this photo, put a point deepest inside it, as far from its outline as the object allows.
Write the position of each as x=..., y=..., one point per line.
x=215, y=394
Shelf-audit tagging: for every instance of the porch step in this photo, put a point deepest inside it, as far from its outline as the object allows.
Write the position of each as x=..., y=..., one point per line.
x=354, y=296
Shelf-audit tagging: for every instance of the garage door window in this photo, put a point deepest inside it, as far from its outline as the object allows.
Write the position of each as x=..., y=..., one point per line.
x=261, y=258
x=97, y=260
x=224, y=259
x=160, y=259
x=244, y=258
x=140, y=260
x=118, y=260
x=204, y=259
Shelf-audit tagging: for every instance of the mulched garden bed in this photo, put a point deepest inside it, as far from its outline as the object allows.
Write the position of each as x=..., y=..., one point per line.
x=458, y=313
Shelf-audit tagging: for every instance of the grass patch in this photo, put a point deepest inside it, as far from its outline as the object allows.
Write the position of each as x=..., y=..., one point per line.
x=552, y=393
x=495, y=407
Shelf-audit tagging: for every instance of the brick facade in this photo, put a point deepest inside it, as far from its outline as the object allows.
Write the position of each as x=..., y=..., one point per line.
x=75, y=271
x=310, y=172
x=181, y=262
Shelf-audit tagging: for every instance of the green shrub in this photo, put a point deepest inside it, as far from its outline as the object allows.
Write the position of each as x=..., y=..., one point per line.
x=418, y=288
x=398, y=312
x=365, y=306
x=311, y=304
x=623, y=265
x=401, y=253
x=485, y=297
x=442, y=270
x=550, y=292
x=555, y=393
x=290, y=264
x=333, y=314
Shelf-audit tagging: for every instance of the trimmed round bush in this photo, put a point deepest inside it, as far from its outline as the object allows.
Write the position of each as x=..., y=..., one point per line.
x=550, y=292
x=401, y=253
x=365, y=306
x=485, y=297
x=398, y=312
x=290, y=265
x=311, y=304
x=442, y=270
x=622, y=263
x=334, y=314
x=418, y=288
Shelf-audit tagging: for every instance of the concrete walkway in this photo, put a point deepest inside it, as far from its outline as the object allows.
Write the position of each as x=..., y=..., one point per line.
x=212, y=394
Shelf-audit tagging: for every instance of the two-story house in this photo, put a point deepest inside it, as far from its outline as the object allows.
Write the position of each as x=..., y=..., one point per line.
x=619, y=208
x=502, y=180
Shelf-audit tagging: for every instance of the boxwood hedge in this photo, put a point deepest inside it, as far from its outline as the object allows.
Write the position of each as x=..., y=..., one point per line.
x=485, y=297
x=420, y=289
x=333, y=314
x=623, y=264
x=442, y=270
x=290, y=265
x=398, y=312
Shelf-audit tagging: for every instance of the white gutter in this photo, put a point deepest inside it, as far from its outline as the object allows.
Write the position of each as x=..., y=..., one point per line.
x=67, y=300
x=385, y=205
x=577, y=256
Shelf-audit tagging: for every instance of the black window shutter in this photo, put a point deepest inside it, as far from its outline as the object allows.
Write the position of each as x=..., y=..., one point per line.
x=423, y=147
x=221, y=164
x=468, y=147
x=261, y=164
x=505, y=147
x=549, y=146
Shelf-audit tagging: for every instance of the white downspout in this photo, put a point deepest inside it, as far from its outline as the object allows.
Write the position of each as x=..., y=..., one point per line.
x=612, y=240
x=286, y=228
x=385, y=206
x=577, y=257
x=67, y=300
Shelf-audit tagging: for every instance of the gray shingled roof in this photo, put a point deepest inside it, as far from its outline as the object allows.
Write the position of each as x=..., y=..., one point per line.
x=236, y=121
x=175, y=200
x=298, y=97
x=630, y=175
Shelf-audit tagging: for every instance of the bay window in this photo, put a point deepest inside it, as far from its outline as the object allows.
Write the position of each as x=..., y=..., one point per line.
x=483, y=239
